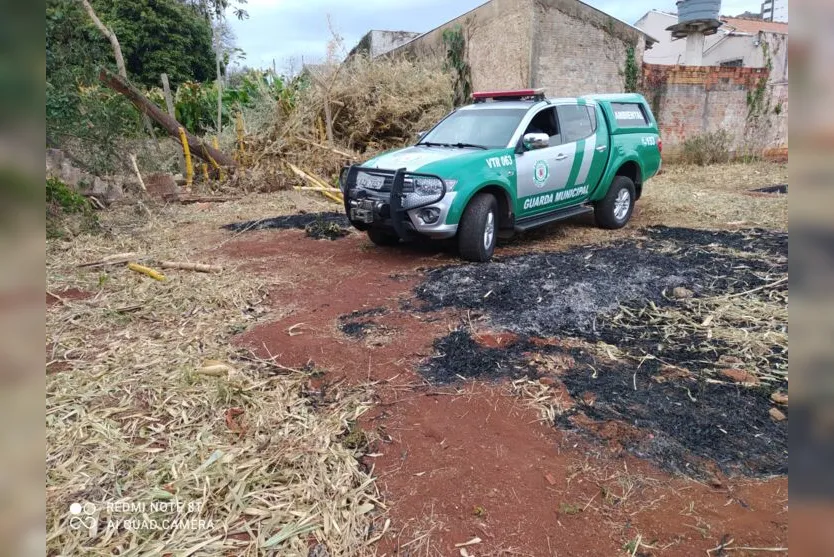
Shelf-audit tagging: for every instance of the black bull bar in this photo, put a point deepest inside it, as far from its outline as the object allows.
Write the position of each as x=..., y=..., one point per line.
x=389, y=203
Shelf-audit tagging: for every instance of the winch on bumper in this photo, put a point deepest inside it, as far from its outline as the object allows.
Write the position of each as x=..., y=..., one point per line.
x=403, y=202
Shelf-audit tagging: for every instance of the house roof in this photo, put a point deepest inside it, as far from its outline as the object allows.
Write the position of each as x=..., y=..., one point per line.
x=753, y=26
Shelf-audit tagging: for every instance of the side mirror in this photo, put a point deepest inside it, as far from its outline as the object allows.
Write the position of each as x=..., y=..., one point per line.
x=421, y=135
x=534, y=141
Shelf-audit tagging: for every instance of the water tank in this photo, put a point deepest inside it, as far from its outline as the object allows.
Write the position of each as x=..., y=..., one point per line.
x=696, y=16
x=698, y=10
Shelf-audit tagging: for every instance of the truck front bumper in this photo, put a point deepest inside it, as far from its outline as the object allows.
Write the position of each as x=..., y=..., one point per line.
x=397, y=201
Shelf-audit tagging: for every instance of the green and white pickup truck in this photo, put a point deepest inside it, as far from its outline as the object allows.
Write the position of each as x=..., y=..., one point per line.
x=509, y=162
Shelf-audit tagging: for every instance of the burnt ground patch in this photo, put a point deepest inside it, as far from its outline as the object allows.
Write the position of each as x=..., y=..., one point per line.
x=360, y=323
x=689, y=420
x=777, y=188
x=692, y=300
x=328, y=225
x=689, y=426
x=551, y=293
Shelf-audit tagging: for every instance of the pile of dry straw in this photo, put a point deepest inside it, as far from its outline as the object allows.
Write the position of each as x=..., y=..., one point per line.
x=375, y=105
x=163, y=451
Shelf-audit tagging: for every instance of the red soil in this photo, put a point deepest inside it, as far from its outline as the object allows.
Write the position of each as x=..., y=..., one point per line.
x=69, y=294
x=472, y=460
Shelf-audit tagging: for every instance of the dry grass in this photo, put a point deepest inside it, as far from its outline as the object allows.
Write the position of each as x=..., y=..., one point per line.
x=749, y=332
x=131, y=419
x=709, y=197
x=375, y=105
x=716, y=197
x=546, y=401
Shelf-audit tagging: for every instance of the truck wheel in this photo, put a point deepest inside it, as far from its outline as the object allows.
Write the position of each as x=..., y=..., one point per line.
x=614, y=210
x=383, y=237
x=478, y=228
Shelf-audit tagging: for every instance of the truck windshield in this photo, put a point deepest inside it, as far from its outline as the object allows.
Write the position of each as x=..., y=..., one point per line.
x=489, y=128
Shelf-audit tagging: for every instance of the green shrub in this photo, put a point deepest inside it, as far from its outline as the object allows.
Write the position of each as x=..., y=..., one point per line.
x=64, y=197
x=707, y=148
x=64, y=204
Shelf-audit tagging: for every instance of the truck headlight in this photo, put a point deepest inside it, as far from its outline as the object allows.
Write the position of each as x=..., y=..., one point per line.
x=428, y=187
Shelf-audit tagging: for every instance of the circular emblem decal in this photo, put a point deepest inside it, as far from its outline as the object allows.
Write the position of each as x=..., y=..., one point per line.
x=540, y=173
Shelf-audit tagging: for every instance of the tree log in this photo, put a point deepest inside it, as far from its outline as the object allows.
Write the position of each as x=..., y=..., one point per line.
x=198, y=146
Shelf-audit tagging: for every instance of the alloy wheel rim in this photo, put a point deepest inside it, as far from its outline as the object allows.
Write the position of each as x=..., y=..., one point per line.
x=621, y=204
x=489, y=230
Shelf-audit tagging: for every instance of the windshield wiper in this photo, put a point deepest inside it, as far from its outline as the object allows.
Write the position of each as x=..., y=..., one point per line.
x=431, y=144
x=462, y=145
x=458, y=145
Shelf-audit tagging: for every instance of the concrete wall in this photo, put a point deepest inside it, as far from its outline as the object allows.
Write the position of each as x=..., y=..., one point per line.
x=751, y=49
x=565, y=46
x=579, y=50
x=727, y=44
x=691, y=100
x=665, y=51
x=498, y=38
x=376, y=42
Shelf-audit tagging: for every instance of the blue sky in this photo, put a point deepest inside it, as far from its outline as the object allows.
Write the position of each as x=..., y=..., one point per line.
x=289, y=31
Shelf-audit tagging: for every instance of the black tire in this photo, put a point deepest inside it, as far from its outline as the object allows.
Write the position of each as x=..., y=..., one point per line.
x=608, y=210
x=474, y=244
x=383, y=237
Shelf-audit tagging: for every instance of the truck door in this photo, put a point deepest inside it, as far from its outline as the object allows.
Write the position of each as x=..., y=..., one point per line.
x=584, y=126
x=543, y=173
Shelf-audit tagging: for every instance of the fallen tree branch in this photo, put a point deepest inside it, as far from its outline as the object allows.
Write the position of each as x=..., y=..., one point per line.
x=110, y=36
x=197, y=146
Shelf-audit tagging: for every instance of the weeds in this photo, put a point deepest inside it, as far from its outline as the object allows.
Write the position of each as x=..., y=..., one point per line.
x=707, y=148
x=67, y=211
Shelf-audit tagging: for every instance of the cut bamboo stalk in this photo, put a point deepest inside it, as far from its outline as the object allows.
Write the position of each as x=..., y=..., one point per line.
x=156, y=275
x=310, y=188
x=136, y=170
x=184, y=266
x=115, y=259
x=316, y=182
x=328, y=148
x=189, y=168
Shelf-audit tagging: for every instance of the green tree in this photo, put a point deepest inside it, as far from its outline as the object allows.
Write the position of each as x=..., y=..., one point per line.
x=160, y=36
x=156, y=36
x=80, y=116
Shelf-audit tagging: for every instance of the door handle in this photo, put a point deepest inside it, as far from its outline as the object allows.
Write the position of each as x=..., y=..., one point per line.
x=561, y=157
x=602, y=148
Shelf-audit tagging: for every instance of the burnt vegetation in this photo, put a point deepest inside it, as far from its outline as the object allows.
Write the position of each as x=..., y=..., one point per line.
x=656, y=325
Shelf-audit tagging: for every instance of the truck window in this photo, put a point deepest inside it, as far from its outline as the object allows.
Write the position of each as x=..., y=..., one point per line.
x=592, y=112
x=490, y=127
x=629, y=115
x=576, y=123
x=545, y=122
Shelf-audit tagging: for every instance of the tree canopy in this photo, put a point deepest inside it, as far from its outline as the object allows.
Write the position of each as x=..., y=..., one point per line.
x=156, y=36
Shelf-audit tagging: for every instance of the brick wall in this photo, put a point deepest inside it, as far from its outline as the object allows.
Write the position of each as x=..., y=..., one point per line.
x=691, y=100
x=579, y=50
